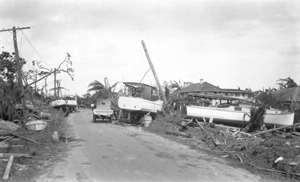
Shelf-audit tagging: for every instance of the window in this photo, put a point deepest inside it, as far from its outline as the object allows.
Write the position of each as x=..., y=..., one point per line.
x=237, y=108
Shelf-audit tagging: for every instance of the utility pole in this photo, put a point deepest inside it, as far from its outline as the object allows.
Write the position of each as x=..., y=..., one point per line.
x=54, y=82
x=156, y=78
x=46, y=87
x=20, y=83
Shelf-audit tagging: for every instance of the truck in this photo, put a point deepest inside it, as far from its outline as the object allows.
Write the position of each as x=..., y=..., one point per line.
x=102, y=110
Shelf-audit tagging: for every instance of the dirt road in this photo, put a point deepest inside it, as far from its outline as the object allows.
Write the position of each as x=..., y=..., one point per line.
x=108, y=152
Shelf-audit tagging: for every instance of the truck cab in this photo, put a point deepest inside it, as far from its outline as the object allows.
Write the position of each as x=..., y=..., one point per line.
x=102, y=110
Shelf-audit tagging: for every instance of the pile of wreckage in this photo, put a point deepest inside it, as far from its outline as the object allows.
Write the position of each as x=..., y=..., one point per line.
x=275, y=150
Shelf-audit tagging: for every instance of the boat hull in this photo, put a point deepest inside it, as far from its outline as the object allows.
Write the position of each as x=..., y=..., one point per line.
x=61, y=103
x=231, y=117
x=133, y=104
x=36, y=125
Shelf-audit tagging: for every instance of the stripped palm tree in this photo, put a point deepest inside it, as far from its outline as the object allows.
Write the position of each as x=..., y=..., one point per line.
x=176, y=86
x=286, y=83
x=103, y=91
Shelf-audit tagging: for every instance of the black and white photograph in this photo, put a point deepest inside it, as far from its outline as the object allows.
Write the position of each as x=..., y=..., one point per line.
x=149, y=90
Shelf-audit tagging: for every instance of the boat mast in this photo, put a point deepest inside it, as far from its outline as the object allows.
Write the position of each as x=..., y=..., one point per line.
x=156, y=78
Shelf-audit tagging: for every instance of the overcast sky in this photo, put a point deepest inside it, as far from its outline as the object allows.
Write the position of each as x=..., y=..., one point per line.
x=245, y=43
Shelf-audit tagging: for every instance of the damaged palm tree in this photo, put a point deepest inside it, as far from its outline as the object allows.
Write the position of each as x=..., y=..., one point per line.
x=256, y=122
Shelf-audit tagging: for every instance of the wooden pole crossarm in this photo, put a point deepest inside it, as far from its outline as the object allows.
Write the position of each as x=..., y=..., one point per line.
x=4, y=30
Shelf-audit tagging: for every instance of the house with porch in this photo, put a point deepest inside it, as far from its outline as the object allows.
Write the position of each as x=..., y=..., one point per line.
x=208, y=92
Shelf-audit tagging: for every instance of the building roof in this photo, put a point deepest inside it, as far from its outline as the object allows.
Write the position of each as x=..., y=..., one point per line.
x=137, y=84
x=200, y=87
x=288, y=94
x=234, y=90
x=207, y=87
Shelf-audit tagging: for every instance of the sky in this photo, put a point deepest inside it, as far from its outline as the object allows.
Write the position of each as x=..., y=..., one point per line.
x=228, y=43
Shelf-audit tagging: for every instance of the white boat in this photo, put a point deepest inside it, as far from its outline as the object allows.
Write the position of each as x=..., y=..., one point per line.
x=36, y=125
x=236, y=115
x=70, y=103
x=139, y=104
x=140, y=98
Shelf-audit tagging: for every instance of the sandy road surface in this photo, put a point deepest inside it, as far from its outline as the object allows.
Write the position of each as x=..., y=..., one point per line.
x=107, y=152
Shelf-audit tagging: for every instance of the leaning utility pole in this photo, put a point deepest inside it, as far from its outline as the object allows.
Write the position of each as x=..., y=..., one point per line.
x=156, y=78
x=20, y=83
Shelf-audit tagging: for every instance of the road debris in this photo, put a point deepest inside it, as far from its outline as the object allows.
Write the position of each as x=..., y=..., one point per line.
x=262, y=148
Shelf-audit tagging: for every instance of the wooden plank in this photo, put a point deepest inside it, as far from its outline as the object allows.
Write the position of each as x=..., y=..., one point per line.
x=8, y=138
x=8, y=167
x=200, y=125
x=25, y=138
x=5, y=155
x=280, y=128
x=296, y=133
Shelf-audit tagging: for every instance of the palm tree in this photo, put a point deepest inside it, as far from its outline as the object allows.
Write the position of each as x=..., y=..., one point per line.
x=103, y=91
x=286, y=83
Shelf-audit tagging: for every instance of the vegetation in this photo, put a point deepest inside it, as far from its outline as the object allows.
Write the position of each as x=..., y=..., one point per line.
x=10, y=92
x=98, y=90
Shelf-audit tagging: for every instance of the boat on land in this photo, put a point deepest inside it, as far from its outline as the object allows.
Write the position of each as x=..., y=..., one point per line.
x=140, y=99
x=235, y=114
x=64, y=103
x=36, y=125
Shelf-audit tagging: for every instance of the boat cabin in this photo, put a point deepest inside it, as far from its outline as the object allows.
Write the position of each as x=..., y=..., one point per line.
x=141, y=90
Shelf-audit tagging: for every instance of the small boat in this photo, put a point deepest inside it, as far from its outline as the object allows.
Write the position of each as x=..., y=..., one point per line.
x=64, y=103
x=36, y=125
x=140, y=99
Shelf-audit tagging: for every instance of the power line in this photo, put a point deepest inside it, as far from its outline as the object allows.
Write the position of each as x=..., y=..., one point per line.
x=145, y=75
x=35, y=49
x=7, y=41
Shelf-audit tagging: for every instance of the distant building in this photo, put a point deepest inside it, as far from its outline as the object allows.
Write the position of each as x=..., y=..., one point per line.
x=186, y=84
x=207, y=88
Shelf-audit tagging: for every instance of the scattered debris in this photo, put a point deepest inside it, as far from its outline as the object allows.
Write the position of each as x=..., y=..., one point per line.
x=8, y=126
x=278, y=159
x=273, y=150
x=178, y=133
